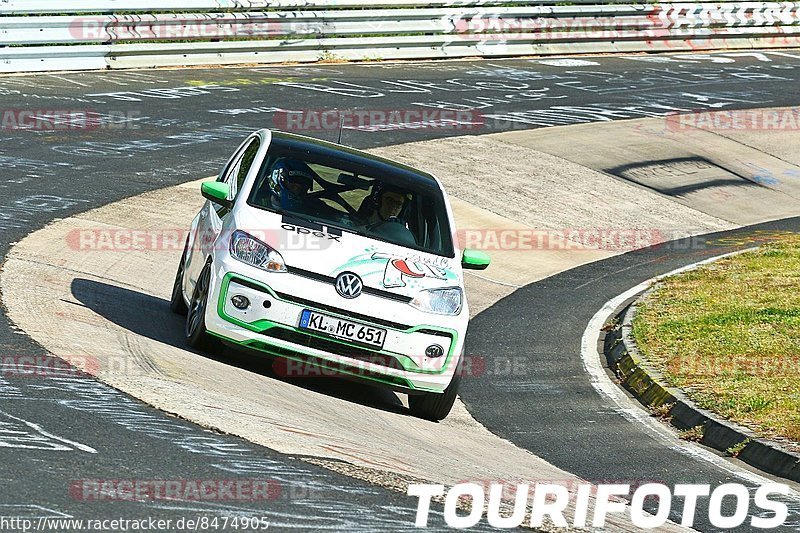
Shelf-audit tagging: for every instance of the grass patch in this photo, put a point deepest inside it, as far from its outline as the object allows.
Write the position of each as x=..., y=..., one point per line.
x=694, y=434
x=662, y=412
x=728, y=334
x=736, y=449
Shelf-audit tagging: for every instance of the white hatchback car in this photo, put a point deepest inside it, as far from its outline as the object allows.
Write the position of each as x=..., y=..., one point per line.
x=331, y=259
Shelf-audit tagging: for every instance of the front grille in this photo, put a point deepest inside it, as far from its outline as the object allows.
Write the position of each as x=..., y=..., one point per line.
x=361, y=354
x=316, y=305
x=331, y=309
x=331, y=280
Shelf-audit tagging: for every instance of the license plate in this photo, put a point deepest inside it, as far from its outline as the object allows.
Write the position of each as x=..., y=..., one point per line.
x=343, y=329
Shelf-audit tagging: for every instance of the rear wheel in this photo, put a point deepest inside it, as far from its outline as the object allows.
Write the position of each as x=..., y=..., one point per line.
x=436, y=406
x=176, y=303
x=196, y=333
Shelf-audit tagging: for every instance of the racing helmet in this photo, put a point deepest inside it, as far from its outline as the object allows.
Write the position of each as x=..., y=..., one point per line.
x=286, y=173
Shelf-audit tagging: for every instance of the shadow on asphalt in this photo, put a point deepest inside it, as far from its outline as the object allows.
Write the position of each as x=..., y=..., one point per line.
x=151, y=317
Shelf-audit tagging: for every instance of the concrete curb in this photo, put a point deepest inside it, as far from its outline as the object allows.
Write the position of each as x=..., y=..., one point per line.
x=649, y=387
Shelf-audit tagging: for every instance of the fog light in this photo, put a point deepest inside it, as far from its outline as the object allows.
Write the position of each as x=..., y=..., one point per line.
x=240, y=302
x=433, y=351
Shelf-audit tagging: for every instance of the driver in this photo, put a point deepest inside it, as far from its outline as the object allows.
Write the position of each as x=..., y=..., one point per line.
x=290, y=181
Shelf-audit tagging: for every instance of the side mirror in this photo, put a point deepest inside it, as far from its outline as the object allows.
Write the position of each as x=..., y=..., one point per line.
x=475, y=260
x=217, y=192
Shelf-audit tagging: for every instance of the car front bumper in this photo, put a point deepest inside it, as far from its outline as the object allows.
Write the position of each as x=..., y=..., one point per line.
x=271, y=325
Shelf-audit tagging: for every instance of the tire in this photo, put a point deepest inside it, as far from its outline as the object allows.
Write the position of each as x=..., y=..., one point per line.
x=436, y=406
x=176, y=303
x=196, y=333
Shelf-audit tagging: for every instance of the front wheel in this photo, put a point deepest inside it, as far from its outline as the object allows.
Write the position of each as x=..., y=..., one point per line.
x=436, y=406
x=196, y=333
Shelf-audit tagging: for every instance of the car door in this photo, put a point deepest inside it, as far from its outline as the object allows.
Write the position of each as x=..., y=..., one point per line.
x=208, y=224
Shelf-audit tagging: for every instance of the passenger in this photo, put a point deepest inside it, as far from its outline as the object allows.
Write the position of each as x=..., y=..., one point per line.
x=387, y=203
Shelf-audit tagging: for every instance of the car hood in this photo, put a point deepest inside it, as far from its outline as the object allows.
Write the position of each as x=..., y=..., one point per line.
x=328, y=251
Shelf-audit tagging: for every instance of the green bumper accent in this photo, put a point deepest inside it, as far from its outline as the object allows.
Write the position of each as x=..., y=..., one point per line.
x=259, y=326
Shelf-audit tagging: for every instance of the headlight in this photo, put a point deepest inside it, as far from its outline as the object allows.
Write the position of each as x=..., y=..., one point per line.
x=440, y=301
x=250, y=250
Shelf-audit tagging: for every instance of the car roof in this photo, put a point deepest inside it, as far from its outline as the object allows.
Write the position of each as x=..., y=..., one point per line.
x=361, y=162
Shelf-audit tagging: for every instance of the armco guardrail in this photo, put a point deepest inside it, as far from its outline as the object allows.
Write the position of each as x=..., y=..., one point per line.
x=94, y=34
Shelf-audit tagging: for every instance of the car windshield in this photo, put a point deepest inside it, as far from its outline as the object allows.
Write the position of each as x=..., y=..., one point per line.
x=351, y=196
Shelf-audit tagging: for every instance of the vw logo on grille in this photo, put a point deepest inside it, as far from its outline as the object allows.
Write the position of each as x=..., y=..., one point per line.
x=433, y=351
x=348, y=285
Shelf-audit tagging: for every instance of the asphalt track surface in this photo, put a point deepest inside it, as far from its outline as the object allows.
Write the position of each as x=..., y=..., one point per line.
x=174, y=126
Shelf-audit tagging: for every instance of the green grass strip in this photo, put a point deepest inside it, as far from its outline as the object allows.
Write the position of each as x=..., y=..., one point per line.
x=728, y=334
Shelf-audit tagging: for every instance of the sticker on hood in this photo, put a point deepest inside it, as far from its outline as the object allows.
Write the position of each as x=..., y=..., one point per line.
x=400, y=268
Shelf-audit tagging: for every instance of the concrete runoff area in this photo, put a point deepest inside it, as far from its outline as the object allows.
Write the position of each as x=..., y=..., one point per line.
x=741, y=176
x=110, y=306
x=511, y=175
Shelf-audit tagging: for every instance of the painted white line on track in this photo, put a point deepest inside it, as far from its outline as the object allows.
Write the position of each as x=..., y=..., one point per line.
x=41, y=431
x=567, y=62
x=62, y=78
x=30, y=510
x=632, y=410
